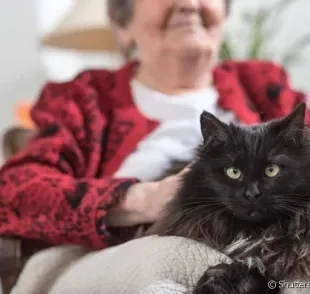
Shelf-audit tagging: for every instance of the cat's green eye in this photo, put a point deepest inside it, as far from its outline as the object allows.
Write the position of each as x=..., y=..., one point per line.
x=233, y=173
x=272, y=170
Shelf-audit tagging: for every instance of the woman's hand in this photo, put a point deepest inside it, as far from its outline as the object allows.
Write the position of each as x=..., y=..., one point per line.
x=144, y=202
x=155, y=199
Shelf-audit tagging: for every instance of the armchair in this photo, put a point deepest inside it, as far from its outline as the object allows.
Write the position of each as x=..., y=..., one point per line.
x=13, y=253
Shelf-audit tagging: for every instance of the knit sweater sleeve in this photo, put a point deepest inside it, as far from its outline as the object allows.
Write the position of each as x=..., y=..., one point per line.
x=269, y=87
x=50, y=191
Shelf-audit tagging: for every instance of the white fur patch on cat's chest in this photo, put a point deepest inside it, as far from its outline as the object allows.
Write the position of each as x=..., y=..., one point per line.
x=242, y=246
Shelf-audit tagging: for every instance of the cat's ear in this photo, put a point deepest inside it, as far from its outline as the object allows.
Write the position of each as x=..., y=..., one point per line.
x=292, y=126
x=212, y=127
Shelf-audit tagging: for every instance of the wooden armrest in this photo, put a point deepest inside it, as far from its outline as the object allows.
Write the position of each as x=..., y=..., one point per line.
x=11, y=255
x=10, y=248
x=14, y=253
x=11, y=262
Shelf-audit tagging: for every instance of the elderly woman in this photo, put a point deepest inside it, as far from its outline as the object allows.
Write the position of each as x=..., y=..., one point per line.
x=89, y=176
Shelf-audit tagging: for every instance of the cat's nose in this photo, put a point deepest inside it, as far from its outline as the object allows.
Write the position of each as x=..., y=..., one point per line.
x=252, y=192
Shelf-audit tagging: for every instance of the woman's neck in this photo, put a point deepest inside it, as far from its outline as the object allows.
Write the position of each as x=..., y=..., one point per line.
x=175, y=76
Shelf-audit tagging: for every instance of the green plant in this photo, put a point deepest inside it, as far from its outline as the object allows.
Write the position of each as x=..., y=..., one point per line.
x=264, y=25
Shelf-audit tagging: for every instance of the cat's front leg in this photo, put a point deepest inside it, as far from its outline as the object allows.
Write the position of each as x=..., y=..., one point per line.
x=234, y=278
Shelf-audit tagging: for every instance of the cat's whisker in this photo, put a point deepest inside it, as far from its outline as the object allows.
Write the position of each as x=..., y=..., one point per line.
x=288, y=208
x=179, y=217
x=201, y=222
x=206, y=198
x=291, y=212
x=289, y=215
x=293, y=204
x=278, y=218
x=204, y=203
x=301, y=196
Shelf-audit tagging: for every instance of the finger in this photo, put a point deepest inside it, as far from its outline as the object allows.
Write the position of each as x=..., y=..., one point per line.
x=185, y=170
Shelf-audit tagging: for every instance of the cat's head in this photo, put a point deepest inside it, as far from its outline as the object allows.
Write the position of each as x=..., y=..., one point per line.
x=255, y=173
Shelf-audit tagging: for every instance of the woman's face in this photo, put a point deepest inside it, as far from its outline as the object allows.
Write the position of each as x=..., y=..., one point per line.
x=186, y=27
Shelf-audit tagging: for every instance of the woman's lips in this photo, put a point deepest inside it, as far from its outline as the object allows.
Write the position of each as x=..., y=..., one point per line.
x=185, y=24
x=190, y=21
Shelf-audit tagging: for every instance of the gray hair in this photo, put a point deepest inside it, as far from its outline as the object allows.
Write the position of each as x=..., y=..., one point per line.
x=120, y=11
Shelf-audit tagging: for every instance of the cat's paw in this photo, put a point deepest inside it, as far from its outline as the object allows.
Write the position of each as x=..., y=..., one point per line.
x=212, y=282
x=235, y=278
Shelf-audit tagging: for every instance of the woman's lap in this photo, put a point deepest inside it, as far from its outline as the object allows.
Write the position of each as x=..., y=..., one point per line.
x=168, y=264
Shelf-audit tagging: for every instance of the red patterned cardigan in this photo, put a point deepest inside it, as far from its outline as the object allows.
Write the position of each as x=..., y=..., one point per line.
x=60, y=187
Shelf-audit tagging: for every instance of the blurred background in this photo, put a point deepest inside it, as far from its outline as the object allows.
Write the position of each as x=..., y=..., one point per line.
x=55, y=39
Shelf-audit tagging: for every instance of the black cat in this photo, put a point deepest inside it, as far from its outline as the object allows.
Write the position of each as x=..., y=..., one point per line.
x=248, y=195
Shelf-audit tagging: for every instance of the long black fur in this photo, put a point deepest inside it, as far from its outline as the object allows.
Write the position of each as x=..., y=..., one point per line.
x=269, y=233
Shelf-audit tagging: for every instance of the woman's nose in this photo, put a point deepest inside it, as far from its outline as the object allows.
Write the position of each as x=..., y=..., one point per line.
x=188, y=5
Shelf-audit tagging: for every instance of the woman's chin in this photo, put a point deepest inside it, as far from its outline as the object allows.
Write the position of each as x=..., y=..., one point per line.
x=192, y=41
x=192, y=48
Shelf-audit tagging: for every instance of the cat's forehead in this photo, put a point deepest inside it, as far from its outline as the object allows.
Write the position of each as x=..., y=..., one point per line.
x=252, y=140
x=251, y=132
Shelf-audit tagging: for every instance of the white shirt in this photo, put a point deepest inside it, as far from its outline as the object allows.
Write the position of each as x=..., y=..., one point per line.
x=178, y=133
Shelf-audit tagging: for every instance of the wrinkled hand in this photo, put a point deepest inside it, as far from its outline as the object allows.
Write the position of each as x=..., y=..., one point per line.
x=158, y=196
x=144, y=202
